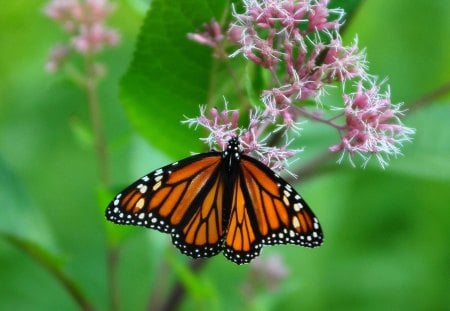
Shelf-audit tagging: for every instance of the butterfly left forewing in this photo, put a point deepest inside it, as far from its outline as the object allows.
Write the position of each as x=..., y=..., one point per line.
x=183, y=199
x=131, y=206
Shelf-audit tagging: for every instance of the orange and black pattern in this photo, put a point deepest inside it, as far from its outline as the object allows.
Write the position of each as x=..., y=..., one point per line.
x=218, y=201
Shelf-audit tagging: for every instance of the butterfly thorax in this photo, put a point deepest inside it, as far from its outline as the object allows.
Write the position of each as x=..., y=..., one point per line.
x=231, y=155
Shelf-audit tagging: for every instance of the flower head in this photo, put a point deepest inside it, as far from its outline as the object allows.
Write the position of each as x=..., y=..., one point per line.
x=301, y=37
x=84, y=21
x=373, y=125
x=223, y=125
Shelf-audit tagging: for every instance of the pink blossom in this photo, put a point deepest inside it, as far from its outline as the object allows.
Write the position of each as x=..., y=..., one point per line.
x=210, y=37
x=57, y=56
x=92, y=38
x=95, y=11
x=61, y=10
x=318, y=17
x=223, y=125
x=84, y=21
x=268, y=272
x=372, y=126
x=303, y=38
x=344, y=63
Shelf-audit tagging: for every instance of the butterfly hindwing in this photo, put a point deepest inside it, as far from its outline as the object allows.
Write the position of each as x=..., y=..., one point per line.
x=242, y=240
x=267, y=210
x=183, y=199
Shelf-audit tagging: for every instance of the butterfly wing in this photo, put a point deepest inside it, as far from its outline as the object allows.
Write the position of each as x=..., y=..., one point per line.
x=266, y=210
x=184, y=199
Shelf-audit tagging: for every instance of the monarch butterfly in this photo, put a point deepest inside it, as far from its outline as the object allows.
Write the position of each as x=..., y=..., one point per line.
x=218, y=201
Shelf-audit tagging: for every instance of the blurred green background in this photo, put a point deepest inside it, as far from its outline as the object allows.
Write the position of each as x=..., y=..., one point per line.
x=386, y=231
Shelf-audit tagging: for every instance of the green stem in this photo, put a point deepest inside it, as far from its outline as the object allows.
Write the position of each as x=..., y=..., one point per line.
x=178, y=291
x=317, y=118
x=96, y=121
x=53, y=268
x=438, y=92
x=222, y=55
x=91, y=90
x=113, y=257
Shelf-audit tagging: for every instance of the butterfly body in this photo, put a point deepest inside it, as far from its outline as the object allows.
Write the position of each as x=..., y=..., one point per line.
x=218, y=201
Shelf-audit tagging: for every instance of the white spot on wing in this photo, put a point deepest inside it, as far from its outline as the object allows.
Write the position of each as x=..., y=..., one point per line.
x=298, y=206
x=295, y=222
x=143, y=189
x=156, y=186
x=140, y=203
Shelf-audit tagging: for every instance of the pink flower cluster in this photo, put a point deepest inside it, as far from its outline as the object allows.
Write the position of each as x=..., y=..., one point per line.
x=84, y=20
x=298, y=42
x=223, y=125
x=373, y=125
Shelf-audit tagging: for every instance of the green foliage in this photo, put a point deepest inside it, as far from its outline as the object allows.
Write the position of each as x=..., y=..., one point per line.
x=386, y=231
x=159, y=88
x=428, y=156
x=19, y=217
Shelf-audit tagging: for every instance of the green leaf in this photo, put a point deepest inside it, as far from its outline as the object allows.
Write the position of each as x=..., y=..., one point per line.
x=24, y=227
x=18, y=217
x=169, y=75
x=52, y=263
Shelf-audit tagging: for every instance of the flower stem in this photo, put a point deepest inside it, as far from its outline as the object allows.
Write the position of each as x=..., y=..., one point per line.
x=317, y=118
x=96, y=121
x=91, y=90
x=53, y=268
x=113, y=256
x=178, y=291
x=222, y=54
x=438, y=92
